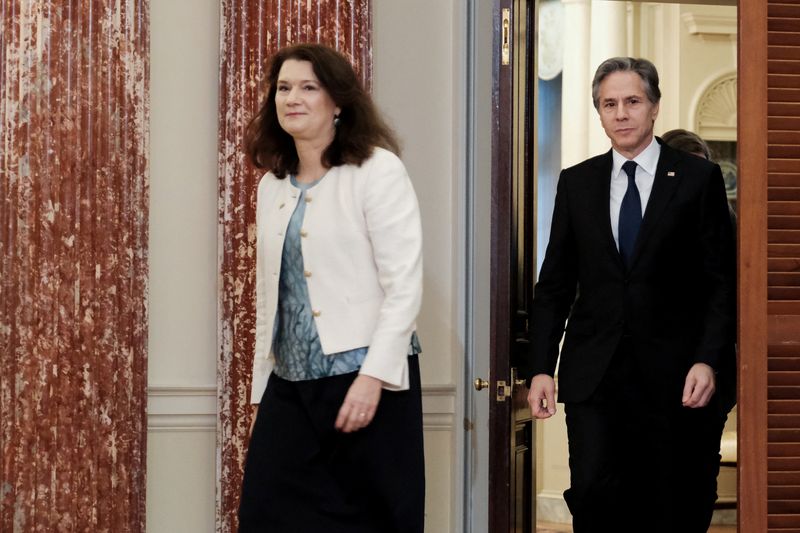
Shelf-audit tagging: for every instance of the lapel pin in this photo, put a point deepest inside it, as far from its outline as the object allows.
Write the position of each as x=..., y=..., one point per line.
x=281, y=206
x=670, y=173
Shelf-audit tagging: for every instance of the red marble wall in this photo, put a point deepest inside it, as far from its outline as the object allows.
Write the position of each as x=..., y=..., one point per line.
x=73, y=265
x=250, y=32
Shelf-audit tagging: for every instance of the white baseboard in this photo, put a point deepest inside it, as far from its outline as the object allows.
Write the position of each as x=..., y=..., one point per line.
x=551, y=507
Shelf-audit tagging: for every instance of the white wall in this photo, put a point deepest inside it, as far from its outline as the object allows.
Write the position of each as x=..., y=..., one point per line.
x=414, y=85
x=181, y=443
x=415, y=60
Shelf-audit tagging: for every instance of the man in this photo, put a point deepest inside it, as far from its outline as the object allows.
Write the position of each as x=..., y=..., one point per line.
x=641, y=261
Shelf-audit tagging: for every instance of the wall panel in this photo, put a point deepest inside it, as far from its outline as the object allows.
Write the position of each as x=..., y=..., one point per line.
x=73, y=264
x=250, y=32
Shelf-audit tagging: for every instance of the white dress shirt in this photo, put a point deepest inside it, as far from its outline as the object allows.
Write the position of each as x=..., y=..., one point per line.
x=646, y=163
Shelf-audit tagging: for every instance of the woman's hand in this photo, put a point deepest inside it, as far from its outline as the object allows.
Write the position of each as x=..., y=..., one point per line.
x=359, y=404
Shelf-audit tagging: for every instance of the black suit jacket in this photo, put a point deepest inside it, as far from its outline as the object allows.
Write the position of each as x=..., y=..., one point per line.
x=676, y=301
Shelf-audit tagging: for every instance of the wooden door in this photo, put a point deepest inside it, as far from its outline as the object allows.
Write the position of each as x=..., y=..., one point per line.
x=769, y=266
x=512, y=456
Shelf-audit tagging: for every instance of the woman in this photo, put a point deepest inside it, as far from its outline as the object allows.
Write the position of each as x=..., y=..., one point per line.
x=337, y=444
x=687, y=141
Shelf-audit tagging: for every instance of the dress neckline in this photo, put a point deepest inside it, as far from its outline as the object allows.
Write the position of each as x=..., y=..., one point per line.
x=305, y=186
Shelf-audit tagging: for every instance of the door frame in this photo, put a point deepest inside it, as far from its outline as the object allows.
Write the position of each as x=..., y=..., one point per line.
x=481, y=339
x=752, y=265
x=476, y=211
x=501, y=278
x=752, y=269
x=506, y=314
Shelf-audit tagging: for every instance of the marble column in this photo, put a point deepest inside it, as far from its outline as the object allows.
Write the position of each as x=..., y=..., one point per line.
x=251, y=31
x=74, y=115
x=609, y=39
x=662, y=44
x=576, y=83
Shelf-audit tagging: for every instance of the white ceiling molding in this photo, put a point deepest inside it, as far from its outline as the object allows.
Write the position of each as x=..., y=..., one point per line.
x=709, y=25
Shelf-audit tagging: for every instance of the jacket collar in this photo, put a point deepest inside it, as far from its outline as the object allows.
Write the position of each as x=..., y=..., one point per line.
x=667, y=178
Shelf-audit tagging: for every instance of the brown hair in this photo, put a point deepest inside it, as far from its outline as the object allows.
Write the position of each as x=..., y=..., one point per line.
x=687, y=141
x=359, y=129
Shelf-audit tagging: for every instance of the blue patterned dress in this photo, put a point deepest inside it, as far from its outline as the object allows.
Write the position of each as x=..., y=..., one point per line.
x=298, y=352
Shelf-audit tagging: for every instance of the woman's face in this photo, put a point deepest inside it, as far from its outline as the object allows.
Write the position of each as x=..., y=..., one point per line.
x=305, y=109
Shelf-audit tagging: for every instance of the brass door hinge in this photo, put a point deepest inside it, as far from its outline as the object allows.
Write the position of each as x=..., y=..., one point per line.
x=505, y=44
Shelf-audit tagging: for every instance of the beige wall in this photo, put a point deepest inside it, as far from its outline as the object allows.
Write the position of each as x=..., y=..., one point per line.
x=413, y=84
x=708, y=32
x=181, y=444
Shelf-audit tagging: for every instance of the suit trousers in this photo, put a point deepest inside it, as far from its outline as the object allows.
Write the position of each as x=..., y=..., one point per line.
x=639, y=461
x=303, y=476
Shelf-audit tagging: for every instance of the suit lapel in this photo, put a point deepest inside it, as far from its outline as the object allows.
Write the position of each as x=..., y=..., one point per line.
x=667, y=178
x=603, y=196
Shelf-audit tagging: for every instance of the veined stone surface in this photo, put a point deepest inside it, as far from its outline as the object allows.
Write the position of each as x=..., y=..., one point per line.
x=73, y=264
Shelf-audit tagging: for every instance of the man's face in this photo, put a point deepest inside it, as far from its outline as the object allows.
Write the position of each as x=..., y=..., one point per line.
x=626, y=113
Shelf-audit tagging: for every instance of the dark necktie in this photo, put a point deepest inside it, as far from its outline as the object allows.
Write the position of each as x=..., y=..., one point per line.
x=630, y=214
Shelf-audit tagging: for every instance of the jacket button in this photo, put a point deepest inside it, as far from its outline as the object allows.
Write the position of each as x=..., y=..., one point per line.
x=308, y=199
x=303, y=233
x=316, y=312
x=307, y=273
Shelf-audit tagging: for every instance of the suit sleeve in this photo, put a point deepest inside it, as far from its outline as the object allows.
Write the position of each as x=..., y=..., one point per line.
x=554, y=292
x=719, y=274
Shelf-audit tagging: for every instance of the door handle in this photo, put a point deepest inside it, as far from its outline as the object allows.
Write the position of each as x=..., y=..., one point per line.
x=503, y=390
x=516, y=380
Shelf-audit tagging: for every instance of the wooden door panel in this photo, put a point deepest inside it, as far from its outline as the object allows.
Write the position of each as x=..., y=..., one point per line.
x=511, y=441
x=769, y=265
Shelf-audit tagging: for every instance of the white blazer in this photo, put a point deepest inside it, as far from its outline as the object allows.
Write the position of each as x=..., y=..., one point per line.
x=362, y=251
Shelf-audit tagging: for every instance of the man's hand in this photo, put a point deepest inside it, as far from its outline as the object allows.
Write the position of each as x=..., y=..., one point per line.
x=542, y=396
x=700, y=386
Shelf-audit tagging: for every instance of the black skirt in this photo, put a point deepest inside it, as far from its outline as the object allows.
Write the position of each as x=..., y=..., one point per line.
x=303, y=476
